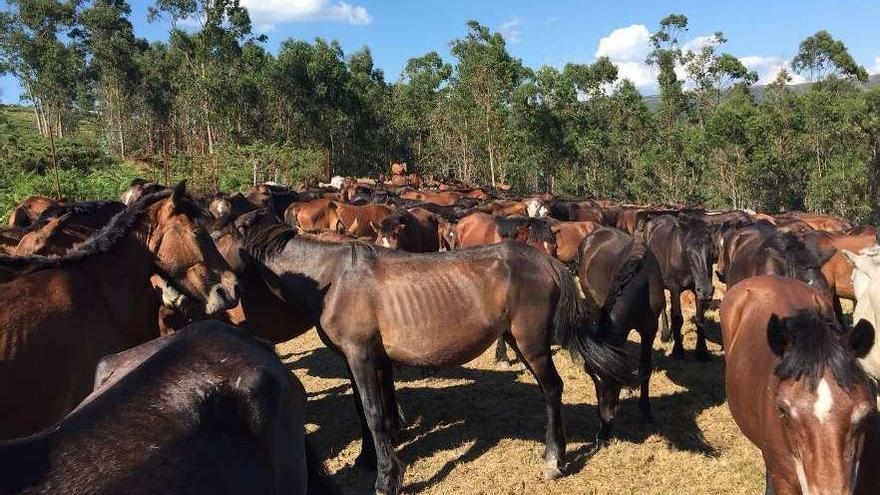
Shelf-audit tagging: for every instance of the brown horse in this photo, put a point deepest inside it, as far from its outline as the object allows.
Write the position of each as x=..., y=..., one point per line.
x=569, y=236
x=138, y=189
x=357, y=220
x=229, y=204
x=837, y=269
x=794, y=385
x=828, y=223
x=377, y=307
x=685, y=251
x=480, y=229
x=317, y=214
x=62, y=227
x=26, y=212
x=621, y=279
x=414, y=230
x=97, y=300
x=208, y=409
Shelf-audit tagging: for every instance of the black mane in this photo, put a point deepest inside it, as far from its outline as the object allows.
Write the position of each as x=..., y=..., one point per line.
x=815, y=347
x=103, y=241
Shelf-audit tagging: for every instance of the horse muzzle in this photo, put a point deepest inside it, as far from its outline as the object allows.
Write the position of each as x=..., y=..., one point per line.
x=222, y=296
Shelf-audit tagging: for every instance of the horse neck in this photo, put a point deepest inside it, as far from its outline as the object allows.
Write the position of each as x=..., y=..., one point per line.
x=122, y=275
x=317, y=261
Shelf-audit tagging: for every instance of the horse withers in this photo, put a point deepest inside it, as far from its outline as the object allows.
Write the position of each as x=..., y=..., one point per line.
x=794, y=384
x=208, y=409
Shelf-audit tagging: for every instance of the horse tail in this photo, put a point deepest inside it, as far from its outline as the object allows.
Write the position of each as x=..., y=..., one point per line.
x=628, y=269
x=318, y=479
x=583, y=340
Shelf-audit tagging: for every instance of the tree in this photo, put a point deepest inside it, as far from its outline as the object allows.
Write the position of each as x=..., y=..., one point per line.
x=820, y=56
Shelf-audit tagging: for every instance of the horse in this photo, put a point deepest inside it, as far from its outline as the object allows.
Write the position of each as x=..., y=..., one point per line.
x=414, y=230
x=229, y=204
x=357, y=219
x=208, y=409
x=62, y=227
x=765, y=252
x=838, y=271
x=794, y=385
x=866, y=287
x=378, y=306
x=478, y=229
x=26, y=212
x=312, y=215
x=827, y=223
x=569, y=236
x=685, y=252
x=97, y=300
x=621, y=280
x=138, y=189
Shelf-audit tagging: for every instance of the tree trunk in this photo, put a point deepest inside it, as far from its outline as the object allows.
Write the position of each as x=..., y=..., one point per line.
x=55, y=164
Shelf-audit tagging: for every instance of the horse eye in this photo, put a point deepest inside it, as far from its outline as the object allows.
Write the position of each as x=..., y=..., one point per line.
x=783, y=410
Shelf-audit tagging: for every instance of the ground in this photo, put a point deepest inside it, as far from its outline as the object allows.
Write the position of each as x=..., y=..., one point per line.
x=476, y=429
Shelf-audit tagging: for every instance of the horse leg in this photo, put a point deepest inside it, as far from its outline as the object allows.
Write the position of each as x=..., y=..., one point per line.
x=366, y=460
x=665, y=333
x=608, y=398
x=838, y=309
x=501, y=360
x=395, y=418
x=366, y=371
x=701, y=351
x=677, y=322
x=645, y=370
x=539, y=360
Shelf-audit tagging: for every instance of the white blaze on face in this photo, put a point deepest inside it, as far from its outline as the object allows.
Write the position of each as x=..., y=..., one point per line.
x=824, y=401
x=385, y=242
x=802, y=476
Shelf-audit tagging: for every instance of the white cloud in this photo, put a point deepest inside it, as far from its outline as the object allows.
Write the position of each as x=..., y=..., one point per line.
x=876, y=68
x=511, y=30
x=697, y=44
x=629, y=44
x=267, y=13
x=769, y=67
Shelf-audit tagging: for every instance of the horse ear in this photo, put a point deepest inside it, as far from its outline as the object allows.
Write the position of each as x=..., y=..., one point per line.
x=861, y=338
x=178, y=193
x=778, y=335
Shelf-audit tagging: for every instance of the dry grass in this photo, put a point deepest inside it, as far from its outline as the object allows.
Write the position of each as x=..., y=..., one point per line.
x=479, y=430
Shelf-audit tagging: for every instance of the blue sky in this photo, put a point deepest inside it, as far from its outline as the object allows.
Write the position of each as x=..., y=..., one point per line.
x=765, y=34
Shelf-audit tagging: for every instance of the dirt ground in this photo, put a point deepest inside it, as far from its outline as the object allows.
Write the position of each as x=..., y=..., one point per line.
x=476, y=429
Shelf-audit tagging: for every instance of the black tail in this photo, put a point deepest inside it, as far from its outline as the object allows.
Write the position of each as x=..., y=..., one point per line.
x=583, y=340
x=319, y=480
x=628, y=269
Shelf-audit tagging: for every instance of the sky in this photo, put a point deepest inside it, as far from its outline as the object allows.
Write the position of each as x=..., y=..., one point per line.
x=764, y=34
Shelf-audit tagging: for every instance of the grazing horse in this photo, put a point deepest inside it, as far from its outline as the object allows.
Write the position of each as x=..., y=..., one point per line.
x=685, y=252
x=794, y=385
x=208, y=409
x=621, y=279
x=377, y=307
x=357, y=220
x=414, y=230
x=60, y=315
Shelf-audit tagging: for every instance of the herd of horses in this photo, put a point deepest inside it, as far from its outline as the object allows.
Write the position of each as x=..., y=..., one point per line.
x=136, y=335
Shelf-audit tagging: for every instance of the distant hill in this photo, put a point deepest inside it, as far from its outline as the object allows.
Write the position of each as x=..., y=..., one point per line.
x=653, y=101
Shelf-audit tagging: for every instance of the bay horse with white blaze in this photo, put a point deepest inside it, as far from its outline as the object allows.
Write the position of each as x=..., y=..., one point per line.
x=794, y=384
x=377, y=307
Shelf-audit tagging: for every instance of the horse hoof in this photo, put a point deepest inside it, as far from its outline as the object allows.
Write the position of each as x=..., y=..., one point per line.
x=552, y=473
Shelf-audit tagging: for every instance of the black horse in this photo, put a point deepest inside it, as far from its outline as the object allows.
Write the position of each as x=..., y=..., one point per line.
x=377, y=307
x=621, y=280
x=685, y=251
x=208, y=409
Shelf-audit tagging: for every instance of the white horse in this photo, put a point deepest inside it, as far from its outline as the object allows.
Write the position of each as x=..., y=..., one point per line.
x=866, y=285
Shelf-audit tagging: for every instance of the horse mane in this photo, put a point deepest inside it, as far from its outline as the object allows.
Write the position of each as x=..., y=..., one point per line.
x=508, y=226
x=75, y=209
x=265, y=242
x=103, y=241
x=816, y=347
x=540, y=230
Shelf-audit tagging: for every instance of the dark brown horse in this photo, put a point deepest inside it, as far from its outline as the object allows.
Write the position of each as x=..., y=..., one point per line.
x=414, y=230
x=60, y=315
x=794, y=385
x=208, y=409
x=229, y=204
x=621, y=279
x=377, y=307
x=685, y=252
